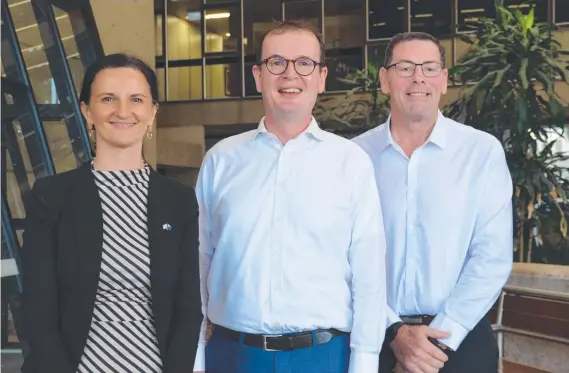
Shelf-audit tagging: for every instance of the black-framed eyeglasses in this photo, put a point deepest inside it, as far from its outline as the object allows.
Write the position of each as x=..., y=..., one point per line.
x=406, y=69
x=304, y=66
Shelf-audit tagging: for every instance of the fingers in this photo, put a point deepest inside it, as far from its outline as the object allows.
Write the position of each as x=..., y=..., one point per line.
x=426, y=368
x=412, y=368
x=425, y=357
x=434, y=351
x=435, y=333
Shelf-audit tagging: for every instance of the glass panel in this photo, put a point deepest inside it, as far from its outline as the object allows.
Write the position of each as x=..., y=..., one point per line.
x=250, y=87
x=161, y=86
x=472, y=10
x=222, y=27
x=461, y=48
x=13, y=194
x=432, y=16
x=561, y=11
x=386, y=18
x=23, y=149
x=159, y=6
x=338, y=66
x=66, y=32
x=376, y=54
x=33, y=52
x=184, y=31
x=223, y=81
x=60, y=145
x=524, y=7
x=77, y=72
x=10, y=305
x=447, y=44
x=43, y=85
x=258, y=18
x=158, y=21
x=343, y=23
x=219, y=1
x=184, y=83
x=308, y=11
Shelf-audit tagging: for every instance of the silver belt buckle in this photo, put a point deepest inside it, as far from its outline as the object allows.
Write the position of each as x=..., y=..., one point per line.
x=417, y=320
x=265, y=342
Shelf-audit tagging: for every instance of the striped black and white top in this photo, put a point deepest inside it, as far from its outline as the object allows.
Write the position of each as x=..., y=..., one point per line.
x=122, y=337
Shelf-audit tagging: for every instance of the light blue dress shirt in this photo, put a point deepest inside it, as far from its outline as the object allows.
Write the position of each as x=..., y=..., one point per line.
x=292, y=239
x=448, y=217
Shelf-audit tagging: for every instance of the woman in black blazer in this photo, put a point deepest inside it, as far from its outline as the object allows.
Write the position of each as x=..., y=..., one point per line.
x=110, y=254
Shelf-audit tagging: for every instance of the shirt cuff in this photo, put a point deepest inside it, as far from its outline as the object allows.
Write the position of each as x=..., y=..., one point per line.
x=199, y=363
x=456, y=330
x=362, y=362
x=392, y=317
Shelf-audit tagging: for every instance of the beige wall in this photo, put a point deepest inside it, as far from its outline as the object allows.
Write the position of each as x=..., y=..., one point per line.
x=126, y=26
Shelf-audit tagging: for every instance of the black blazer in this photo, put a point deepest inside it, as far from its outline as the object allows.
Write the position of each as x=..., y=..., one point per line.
x=61, y=261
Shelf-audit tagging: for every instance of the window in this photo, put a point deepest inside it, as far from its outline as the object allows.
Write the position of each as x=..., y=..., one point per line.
x=541, y=8
x=473, y=10
x=222, y=29
x=184, y=31
x=561, y=11
x=185, y=82
x=386, y=18
x=158, y=23
x=222, y=80
x=306, y=10
x=258, y=18
x=344, y=34
x=250, y=87
x=431, y=16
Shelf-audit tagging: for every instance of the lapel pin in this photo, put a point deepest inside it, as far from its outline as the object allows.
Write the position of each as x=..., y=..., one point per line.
x=167, y=227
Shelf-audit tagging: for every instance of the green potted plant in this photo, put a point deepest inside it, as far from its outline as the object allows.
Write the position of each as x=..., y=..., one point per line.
x=508, y=78
x=363, y=107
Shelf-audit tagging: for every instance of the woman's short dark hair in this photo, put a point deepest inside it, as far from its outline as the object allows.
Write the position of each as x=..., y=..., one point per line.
x=117, y=60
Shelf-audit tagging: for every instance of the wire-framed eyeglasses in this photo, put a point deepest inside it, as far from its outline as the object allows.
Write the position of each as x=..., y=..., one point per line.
x=277, y=65
x=405, y=69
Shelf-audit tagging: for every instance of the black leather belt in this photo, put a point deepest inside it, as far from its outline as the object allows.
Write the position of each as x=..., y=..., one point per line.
x=279, y=342
x=417, y=319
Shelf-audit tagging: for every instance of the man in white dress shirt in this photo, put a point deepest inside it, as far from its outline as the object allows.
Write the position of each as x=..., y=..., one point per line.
x=291, y=234
x=446, y=198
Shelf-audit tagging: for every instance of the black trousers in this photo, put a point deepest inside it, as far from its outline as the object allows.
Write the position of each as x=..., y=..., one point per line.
x=478, y=353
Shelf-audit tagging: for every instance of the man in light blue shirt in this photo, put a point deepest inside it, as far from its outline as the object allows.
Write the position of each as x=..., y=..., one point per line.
x=292, y=247
x=446, y=198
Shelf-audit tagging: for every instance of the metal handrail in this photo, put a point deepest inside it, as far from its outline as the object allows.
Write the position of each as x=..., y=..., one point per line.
x=500, y=329
x=537, y=293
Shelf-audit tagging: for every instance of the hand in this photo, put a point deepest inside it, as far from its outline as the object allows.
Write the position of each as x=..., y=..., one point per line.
x=399, y=369
x=415, y=353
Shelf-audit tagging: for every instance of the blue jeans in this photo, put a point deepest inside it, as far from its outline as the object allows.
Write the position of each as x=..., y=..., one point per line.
x=224, y=355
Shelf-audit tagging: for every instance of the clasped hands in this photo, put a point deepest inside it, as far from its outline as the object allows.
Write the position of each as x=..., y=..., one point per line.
x=415, y=353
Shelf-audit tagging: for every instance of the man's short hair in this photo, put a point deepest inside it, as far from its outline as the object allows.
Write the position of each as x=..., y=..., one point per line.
x=408, y=36
x=283, y=26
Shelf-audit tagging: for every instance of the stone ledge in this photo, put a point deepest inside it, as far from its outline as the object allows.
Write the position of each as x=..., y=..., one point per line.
x=540, y=276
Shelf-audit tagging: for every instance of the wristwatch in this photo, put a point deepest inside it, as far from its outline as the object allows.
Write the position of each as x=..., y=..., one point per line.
x=391, y=332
